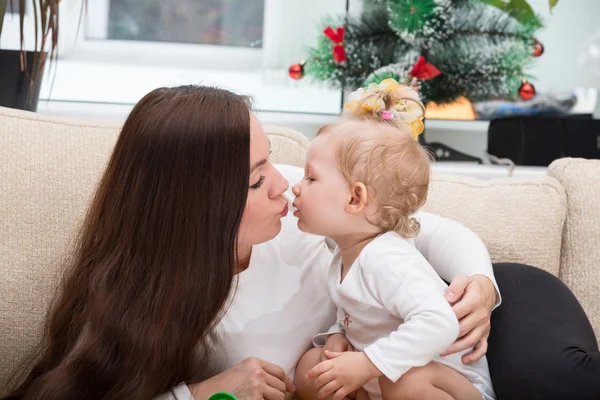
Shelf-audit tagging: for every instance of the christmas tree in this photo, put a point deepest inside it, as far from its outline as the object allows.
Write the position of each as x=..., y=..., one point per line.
x=447, y=48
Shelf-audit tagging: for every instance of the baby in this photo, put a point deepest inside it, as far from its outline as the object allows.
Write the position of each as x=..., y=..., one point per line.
x=365, y=177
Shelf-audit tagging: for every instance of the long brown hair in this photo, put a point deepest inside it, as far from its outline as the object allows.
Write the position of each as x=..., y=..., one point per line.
x=154, y=265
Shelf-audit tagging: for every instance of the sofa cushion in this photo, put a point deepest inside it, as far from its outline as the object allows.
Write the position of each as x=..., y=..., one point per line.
x=518, y=219
x=580, y=258
x=287, y=146
x=48, y=171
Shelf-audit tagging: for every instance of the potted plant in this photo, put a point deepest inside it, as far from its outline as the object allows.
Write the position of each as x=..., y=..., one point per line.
x=21, y=71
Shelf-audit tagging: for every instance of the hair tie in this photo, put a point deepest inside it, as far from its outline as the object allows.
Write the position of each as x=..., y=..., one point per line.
x=387, y=114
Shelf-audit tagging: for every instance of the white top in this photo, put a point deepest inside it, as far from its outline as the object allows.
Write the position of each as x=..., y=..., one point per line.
x=282, y=301
x=391, y=305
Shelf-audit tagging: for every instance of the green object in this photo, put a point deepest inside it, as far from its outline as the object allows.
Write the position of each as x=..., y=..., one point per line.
x=222, y=396
x=481, y=47
x=518, y=9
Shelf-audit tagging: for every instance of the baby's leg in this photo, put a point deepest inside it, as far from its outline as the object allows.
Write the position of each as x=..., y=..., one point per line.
x=304, y=388
x=432, y=382
x=361, y=394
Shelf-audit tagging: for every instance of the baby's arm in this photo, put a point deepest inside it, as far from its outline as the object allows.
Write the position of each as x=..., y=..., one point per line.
x=398, y=279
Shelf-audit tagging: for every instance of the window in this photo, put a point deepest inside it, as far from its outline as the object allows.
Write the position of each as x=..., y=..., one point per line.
x=212, y=22
x=207, y=34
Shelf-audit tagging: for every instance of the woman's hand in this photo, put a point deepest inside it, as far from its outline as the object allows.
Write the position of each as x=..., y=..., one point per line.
x=336, y=343
x=472, y=299
x=252, y=379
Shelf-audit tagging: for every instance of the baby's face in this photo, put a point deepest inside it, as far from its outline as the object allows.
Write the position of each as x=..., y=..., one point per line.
x=323, y=193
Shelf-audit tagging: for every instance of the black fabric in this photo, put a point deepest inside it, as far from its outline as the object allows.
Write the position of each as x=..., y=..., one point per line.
x=539, y=140
x=542, y=345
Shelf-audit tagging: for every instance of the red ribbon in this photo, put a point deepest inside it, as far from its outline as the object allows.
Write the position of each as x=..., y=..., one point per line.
x=337, y=37
x=424, y=70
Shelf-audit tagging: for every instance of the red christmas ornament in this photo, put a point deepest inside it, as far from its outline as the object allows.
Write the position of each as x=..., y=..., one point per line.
x=424, y=70
x=527, y=90
x=296, y=71
x=337, y=37
x=538, y=48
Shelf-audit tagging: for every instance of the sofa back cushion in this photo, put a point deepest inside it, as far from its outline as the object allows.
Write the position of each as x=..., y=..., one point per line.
x=48, y=170
x=580, y=257
x=50, y=166
x=518, y=219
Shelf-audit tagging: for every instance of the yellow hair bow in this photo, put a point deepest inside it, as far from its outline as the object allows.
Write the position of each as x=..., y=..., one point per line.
x=408, y=109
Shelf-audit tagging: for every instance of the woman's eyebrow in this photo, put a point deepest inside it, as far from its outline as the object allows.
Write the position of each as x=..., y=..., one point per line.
x=261, y=162
x=258, y=164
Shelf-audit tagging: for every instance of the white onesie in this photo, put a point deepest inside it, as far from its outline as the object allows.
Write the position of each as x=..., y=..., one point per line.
x=391, y=305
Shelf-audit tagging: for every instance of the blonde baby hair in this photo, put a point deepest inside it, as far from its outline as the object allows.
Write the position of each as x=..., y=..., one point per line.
x=383, y=154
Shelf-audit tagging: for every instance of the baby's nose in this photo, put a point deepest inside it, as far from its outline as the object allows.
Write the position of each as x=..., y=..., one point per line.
x=296, y=190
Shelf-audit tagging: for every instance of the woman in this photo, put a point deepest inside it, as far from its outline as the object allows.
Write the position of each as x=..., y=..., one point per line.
x=188, y=274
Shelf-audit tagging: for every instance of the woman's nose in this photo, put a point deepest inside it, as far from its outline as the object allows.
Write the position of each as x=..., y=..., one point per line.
x=281, y=186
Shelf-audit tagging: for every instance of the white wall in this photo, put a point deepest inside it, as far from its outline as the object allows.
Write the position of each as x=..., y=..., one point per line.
x=568, y=32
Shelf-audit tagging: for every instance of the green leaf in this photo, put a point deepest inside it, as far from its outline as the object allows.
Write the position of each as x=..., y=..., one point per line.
x=518, y=9
x=552, y=4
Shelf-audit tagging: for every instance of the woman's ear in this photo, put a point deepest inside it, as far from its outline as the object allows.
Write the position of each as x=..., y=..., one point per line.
x=357, y=199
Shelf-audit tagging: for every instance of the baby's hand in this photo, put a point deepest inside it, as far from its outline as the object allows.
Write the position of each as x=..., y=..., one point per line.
x=336, y=343
x=342, y=374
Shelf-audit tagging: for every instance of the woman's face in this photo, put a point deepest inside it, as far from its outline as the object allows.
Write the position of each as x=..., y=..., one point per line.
x=265, y=205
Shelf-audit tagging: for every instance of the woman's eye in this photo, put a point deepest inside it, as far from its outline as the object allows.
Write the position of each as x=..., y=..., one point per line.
x=259, y=183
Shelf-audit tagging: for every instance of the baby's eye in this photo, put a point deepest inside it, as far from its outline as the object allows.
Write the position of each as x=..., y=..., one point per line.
x=309, y=178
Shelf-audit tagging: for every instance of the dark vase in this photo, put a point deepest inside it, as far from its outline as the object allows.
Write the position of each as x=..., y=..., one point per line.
x=16, y=90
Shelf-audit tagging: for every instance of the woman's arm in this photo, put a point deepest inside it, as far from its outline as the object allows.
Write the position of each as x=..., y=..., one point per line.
x=453, y=249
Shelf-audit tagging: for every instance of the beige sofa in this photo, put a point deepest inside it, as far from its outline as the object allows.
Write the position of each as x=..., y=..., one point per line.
x=49, y=167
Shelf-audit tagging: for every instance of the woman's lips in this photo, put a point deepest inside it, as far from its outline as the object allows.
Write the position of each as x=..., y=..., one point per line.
x=284, y=212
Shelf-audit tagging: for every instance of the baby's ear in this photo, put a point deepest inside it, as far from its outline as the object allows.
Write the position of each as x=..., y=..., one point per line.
x=357, y=199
